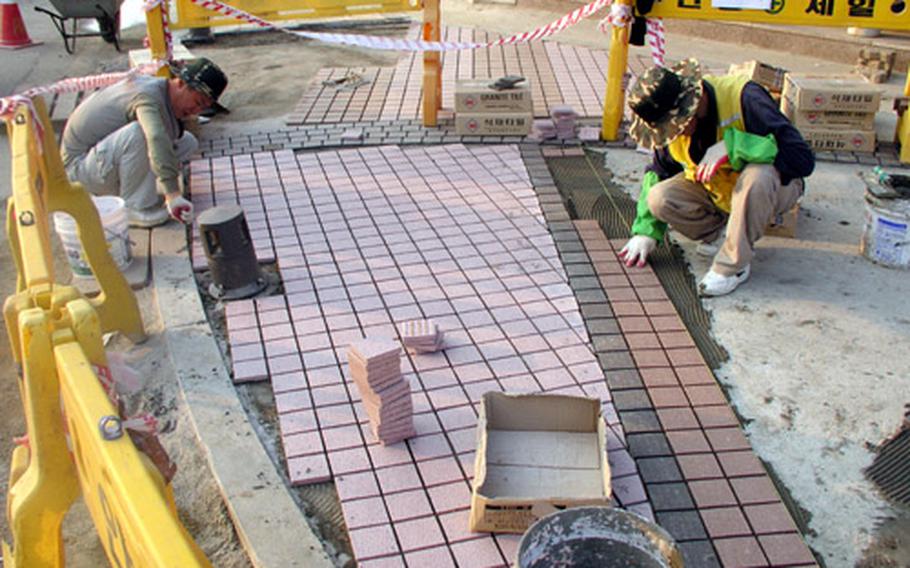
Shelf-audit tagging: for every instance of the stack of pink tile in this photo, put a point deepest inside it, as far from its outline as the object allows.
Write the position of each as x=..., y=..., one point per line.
x=386, y=395
x=564, y=117
x=543, y=129
x=420, y=336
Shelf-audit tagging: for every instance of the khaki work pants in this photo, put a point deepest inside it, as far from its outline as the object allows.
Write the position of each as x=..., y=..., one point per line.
x=758, y=198
x=119, y=165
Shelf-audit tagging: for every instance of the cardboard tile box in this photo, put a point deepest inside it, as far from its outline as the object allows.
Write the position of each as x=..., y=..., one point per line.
x=827, y=119
x=496, y=124
x=768, y=76
x=476, y=95
x=832, y=140
x=831, y=93
x=537, y=453
x=784, y=226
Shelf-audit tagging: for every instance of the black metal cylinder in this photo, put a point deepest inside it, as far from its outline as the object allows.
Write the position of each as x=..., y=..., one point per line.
x=230, y=253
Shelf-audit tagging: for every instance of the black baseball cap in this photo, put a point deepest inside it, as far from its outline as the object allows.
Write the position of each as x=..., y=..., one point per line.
x=202, y=75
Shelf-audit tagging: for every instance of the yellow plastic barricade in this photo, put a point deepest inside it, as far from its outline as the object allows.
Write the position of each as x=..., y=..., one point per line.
x=40, y=187
x=190, y=15
x=75, y=439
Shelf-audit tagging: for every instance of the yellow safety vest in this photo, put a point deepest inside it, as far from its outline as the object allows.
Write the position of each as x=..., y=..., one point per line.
x=728, y=96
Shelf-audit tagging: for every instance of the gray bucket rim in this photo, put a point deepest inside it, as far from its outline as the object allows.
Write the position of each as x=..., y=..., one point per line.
x=662, y=543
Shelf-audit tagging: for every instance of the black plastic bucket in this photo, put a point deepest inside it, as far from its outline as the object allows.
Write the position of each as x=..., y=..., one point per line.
x=599, y=537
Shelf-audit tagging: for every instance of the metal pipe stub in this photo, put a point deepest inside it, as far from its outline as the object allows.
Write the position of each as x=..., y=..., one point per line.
x=229, y=251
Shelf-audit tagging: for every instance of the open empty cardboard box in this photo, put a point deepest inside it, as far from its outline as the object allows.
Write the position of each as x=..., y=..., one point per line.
x=537, y=453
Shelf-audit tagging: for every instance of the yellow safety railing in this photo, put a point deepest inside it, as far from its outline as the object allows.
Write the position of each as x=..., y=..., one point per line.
x=882, y=14
x=190, y=15
x=76, y=443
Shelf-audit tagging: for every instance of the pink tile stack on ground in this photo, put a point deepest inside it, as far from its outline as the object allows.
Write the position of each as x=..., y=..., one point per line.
x=385, y=395
x=558, y=74
x=385, y=235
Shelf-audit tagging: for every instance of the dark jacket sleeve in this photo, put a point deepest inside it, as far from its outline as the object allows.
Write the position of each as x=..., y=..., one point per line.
x=762, y=117
x=663, y=164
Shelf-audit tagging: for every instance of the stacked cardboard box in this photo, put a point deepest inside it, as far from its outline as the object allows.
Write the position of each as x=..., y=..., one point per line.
x=483, y=110
x=832, y=113
x=768, y=76
x=386, y=395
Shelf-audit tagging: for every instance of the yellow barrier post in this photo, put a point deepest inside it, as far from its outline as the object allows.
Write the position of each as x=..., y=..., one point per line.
x=157, y=41
x=40, y=186
x=614, y=97
x=432, y=72
x=42, y=480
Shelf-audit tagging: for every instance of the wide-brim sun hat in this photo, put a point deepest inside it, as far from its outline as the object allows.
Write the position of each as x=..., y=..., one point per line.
x=663, y=100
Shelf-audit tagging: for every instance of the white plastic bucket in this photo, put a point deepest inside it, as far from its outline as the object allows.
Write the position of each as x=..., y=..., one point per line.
x=886, y=234
x=114, y=221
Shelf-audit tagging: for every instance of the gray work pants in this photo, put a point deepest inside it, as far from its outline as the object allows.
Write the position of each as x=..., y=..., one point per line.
x=119, y=165
x=758, y=198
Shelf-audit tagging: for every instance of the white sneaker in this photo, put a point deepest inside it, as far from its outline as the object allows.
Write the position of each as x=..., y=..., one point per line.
x=148, y=218
x=709, y=249
x=714, y=284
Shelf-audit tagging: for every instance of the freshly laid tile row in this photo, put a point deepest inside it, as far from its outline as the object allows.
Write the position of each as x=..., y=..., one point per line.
x=367, y=239
x=558, y=73
x=707, y=487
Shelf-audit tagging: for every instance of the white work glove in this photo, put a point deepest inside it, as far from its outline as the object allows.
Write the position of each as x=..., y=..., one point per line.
x=637, y=250
x=715, y=157
x=180, y=208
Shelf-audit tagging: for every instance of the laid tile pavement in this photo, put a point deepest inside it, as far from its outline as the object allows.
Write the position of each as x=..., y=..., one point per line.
x=558, y=74
x=384, y=235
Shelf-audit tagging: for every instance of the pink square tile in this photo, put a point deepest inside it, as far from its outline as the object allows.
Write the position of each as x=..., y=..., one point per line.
x=415, y=534
x=458, y=417
x=367, y=512
x=450, y=496
x=293, y=400
x=408, y=504
x=302, y=444
x=394, y=561
x=308, y=469
x=439, y=470
x=430, y=446
x=300, y=421
x=519, y=384
x=438, y=557
x=473, y=372
x=342, y=437
x=336, y=415
x=247, y=371
x=628, y=490
x=356, y=485
x=329, y=395
x=373, y=541
x=447, y=397
x=398, y=478
x=508, y=543
x=480, y=552
x=350, y=460
x=477, y=390
x=393, y=454
x=455, y=526
x=288, y=381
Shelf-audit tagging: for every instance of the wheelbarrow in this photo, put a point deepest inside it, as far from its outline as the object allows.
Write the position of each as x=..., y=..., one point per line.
x=105, y=12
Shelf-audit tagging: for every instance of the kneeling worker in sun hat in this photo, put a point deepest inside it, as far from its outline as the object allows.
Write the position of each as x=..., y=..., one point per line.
x=724, y=158
x=128, y=139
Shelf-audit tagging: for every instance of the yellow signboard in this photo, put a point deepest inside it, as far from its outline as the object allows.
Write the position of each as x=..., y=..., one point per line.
x=882, y=14
x=190, y=15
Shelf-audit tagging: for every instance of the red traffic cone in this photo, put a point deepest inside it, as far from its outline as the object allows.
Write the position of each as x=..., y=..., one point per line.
x=12, y=29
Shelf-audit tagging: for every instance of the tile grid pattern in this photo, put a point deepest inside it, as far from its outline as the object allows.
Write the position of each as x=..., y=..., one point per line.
x=707, y=487
x=390, y=234
x=558, y=74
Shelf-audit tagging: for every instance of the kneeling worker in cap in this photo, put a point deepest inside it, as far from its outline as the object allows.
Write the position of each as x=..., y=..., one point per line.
x=724, y=157
x=128, y=139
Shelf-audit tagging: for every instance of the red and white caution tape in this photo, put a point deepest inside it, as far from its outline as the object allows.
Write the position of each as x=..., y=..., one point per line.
x=9, y=104
x=374, y=42
x=168, y=38
x=656, y=40
x=620, y=16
